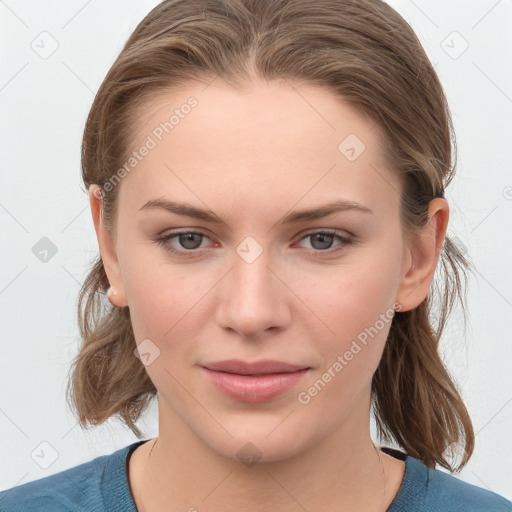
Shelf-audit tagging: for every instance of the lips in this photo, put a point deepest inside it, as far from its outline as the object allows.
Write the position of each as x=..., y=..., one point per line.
x=256, y=368
x=254, y=382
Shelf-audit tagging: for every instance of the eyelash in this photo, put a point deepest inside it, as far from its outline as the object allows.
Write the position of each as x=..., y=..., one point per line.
x=163, y=241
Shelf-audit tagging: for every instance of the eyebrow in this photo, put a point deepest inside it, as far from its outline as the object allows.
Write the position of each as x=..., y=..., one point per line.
x=317, y=212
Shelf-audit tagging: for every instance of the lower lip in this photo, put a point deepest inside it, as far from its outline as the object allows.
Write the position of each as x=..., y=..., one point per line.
x=254, y=388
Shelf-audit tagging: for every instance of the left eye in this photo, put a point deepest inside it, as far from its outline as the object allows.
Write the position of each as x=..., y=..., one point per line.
x=190, y=241
x=322, y=240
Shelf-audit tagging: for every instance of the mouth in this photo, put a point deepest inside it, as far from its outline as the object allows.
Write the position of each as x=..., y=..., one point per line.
x=254, y=382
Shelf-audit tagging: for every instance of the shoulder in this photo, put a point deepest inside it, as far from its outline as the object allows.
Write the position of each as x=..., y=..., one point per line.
x=87, y=487
x=432, y=490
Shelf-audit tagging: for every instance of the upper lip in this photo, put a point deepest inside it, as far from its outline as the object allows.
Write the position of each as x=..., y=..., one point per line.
x=255, y=368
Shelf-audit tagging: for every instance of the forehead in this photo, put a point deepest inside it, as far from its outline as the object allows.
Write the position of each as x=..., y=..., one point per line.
x=276, y=140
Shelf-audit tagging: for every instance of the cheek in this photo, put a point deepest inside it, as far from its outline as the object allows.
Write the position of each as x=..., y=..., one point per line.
x=161, y=304
x=360, y=312
x=168, y=302
x=355, y=302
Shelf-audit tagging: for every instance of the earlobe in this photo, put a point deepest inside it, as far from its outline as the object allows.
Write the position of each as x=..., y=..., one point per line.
x=424, y=250
x=116, y=292
x=113, y=297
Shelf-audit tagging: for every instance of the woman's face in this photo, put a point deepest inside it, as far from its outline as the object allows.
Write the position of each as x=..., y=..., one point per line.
x=257, y=278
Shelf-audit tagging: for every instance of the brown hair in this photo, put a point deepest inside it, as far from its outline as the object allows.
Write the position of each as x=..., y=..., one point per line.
x=367, y=55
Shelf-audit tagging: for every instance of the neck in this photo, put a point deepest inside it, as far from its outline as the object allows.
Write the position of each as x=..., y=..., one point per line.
x=180, y=472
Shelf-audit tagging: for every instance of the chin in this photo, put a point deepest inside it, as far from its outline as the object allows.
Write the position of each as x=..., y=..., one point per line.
x=255, y=442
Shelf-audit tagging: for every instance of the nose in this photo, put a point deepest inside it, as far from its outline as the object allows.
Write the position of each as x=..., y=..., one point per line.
x=253, y=299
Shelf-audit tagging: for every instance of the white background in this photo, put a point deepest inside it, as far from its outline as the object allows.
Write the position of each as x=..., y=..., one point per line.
x=44, y=103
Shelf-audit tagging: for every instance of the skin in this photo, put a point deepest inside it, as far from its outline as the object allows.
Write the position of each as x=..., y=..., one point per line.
x=252, y=157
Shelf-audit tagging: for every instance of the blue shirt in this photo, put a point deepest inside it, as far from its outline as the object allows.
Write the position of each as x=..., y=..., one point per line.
x=101, y=485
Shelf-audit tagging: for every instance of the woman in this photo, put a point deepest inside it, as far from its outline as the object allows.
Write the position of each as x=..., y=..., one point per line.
x=266, y=180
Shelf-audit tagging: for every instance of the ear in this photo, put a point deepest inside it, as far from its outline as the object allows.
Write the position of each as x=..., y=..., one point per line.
x=107, y=248
x=422, y=256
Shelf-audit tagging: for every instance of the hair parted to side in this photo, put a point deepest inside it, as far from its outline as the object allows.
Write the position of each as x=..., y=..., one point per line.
x=366, y=54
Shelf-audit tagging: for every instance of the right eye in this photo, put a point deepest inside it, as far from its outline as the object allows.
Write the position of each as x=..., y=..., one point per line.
x=189, y=241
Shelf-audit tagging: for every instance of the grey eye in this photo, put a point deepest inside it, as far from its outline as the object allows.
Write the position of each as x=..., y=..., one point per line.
x=324, y=240
x=190, y=240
